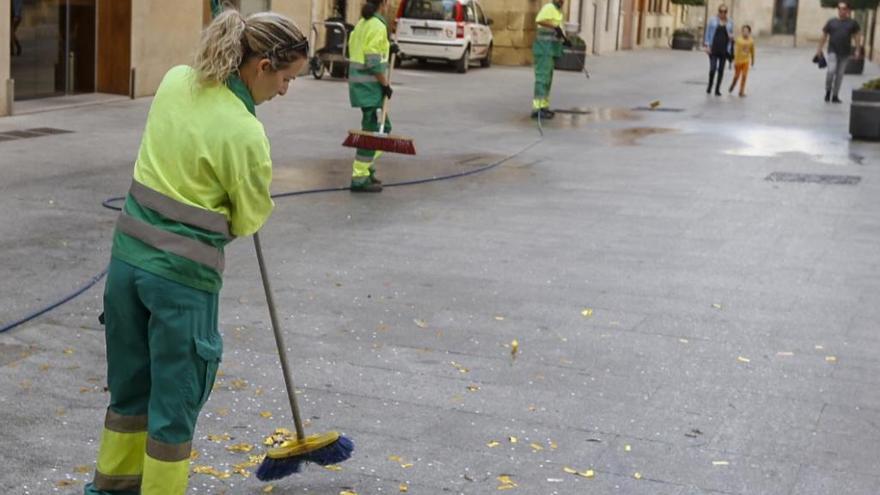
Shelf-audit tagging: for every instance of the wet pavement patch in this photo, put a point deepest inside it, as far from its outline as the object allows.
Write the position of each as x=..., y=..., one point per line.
x=843, y=180
x=31, y=133
x=630, y=136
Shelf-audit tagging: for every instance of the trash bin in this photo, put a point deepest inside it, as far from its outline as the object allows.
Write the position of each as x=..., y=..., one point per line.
x=573, y=58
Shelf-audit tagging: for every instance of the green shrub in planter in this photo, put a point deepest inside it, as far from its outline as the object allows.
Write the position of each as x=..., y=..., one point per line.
x=864, y=112
x=682, y=39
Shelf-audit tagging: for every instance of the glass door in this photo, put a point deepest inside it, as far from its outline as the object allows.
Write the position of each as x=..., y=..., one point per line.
x=53, y=47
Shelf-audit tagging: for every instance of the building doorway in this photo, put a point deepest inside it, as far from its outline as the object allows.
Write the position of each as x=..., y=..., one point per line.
x=785, y=16
x=55, y=48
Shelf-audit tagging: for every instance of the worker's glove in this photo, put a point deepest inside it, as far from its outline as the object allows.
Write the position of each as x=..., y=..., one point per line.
x=567, y=43
x=394, y=49
x=560, y=32
x=387, y=92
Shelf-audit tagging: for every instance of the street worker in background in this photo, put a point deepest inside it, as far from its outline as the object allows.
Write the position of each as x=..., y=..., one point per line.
x=201, y=179
x=546, y=49
x=368, y=86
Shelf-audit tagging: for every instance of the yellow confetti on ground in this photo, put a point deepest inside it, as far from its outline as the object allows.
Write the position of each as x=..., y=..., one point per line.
x=407, y=465
x=268, y=488
x=506, y=482
x=212, y=472
x=830, y=359
x=82, y=469
x=68, y=351
x=716, y=306
x=270, y=440
x=347, y=492
x=512, y=439
x=333, y=467
x=589, y=474
x=536, y=447
x=266, y=414
x=219, y=438
x=83, y=390
x=63, y=483
x=819, y=347
x=395, y=458
x=460, y=368
x=570, y=470
x=258, y=392
x=683, y=341
x=637, y=475
x=193, y=454
x=514, y=348
x=240, y=470
x=240, y=447
x=472, y=388
x=627, y=448
x=421, y=323
x=492, y=444
x=403, y=488
x=743, y=359
x=499, y=317
x=238, y=384
x=720, y=463
x=44, y=367
x=784, y=353
x=587, y=312
x=553, y=446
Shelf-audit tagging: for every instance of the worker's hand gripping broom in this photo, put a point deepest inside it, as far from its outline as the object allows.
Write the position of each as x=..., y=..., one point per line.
x=324, y=448
x=379, y=141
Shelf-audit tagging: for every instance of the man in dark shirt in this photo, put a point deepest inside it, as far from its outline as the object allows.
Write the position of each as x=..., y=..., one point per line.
x=839, y=33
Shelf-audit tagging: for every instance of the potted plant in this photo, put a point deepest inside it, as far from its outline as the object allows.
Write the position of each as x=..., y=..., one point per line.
x=682, y=39
x=864, y=112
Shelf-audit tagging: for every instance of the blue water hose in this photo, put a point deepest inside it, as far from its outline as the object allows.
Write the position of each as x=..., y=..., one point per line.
x=109, y=204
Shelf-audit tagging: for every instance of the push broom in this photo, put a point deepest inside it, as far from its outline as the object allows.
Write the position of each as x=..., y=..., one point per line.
x=323, y=448
x=379, y=141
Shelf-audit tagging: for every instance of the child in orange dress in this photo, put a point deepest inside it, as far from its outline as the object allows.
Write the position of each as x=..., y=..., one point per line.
x=743, y=57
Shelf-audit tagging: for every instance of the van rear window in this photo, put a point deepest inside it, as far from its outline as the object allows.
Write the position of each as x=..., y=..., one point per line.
x=437, y=10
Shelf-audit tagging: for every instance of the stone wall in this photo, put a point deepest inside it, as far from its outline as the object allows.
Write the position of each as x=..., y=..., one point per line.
x=5, y=62
x=160, y=41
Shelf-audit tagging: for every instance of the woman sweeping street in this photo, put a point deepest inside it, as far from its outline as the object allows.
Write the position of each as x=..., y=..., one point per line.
x=368, y=85
x=201, y=178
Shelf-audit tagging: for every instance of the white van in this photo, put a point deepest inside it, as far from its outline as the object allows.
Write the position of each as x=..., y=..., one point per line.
x=454, y=31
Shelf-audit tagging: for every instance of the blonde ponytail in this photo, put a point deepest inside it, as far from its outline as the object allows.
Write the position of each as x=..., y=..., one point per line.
x=230, y=40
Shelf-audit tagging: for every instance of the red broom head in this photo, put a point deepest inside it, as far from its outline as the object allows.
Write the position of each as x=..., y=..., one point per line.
x=380, y=142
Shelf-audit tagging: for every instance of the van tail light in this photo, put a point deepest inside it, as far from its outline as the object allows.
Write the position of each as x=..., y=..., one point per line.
x=459, y=30
x=400, y=9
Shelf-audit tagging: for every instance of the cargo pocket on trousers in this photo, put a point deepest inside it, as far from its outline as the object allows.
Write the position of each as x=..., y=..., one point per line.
x=210, y=351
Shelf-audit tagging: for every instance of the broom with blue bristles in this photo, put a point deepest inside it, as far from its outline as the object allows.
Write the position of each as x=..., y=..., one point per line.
x=322, y=449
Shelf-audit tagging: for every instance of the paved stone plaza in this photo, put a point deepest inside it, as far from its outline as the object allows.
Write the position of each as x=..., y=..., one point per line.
x=684, y=325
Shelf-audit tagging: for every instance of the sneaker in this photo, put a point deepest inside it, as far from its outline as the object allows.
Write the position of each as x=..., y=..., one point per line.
x=827, y=96
x=366, y=188
x=375, y=180
x=547, y=114
x=835, y=99
x=717, y=93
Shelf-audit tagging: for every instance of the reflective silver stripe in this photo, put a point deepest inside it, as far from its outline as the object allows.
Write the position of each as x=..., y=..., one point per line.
x=105, y=482
x=182, y=246
x=175, y=210
x=362, y=79
x=168, y=452
x=373, y=59
x=125, y=424
x=356, y=65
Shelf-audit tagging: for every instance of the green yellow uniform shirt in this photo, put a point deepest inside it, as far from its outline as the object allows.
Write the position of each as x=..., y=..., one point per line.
x=550, y=13
x=368, y=55
x=202, y=147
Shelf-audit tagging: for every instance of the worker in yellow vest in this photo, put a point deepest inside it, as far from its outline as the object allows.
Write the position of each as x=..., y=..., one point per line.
x=547, y=48
x=368, y=49
x=201, y=179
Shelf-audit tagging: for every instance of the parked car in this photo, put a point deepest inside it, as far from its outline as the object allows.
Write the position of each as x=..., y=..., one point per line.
x=454, y=31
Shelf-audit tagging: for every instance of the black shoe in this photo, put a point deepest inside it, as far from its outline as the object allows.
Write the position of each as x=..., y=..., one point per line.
x=375, y=180
x=535, y=114
x=827, y=96
x=717, y=93
x=835, y=99
x=367, y=188
x=547, y=114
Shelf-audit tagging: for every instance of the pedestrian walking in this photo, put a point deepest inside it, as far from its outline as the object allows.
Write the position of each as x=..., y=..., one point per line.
x=840, y=33
x=201, y=179
x=368, y=86
x=743, y=58
x=718, y=45
x=546, y=49
x=16, y=16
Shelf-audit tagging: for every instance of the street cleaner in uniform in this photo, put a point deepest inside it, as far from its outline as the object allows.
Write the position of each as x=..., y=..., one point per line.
x=201, y=179
x=368, y=50
x=546, y=49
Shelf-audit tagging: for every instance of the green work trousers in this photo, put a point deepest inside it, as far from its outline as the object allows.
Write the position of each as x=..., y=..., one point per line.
x=364, y=166
x=163, y=351
x=544, y=64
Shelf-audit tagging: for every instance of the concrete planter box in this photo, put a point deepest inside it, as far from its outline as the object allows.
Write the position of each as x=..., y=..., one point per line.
x=864, y=115
x=683, y=42
x=855, y=66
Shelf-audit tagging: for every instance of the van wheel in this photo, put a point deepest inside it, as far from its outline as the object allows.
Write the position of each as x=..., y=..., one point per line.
x=461, y=66
x=487, y=61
